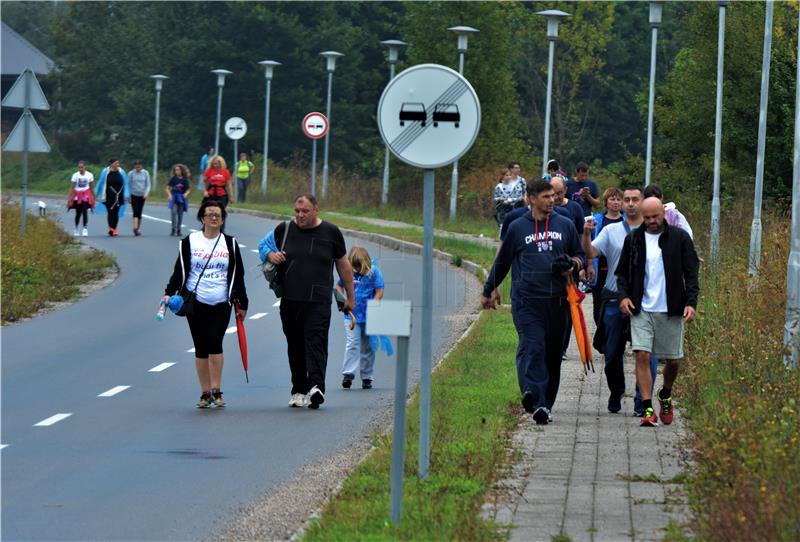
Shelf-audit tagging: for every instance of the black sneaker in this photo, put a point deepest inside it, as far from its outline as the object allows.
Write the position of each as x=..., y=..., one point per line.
x=315, y=398
x=347, y=381
x=366, y=384
x=527, y=401
x=216, y=398
x=541, y=416
x=614, y=403
x=205, y=400
x=638, y=411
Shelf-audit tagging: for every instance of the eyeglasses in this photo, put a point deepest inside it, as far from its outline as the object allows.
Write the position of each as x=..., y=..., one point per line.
x=213, y=216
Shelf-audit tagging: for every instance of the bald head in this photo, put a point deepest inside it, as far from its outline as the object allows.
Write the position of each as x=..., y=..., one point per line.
x=559, y=190
x=653, y=214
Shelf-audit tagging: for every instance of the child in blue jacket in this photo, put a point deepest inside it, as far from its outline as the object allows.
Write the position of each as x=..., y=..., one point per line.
x=359, y=352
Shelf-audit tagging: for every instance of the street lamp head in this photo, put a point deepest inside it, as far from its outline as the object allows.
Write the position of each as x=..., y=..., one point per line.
x=463, y=33
x=159, y=79
x=656, y=9
x=394, y=47
x=330, y=59
x=269, y=65
x=553, y=16
x=221, y=76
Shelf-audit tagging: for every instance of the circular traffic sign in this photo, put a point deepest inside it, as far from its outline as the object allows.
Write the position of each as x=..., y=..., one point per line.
x=235, y=128
x=315, y=125
x=429, y=116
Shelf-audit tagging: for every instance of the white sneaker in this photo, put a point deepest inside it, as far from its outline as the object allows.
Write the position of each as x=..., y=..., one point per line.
x=315, y=398
x=297, y=401
x=85, y=232
x=75, y=232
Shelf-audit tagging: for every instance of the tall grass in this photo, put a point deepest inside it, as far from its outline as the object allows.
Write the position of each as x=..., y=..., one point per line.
x=742, y=402
x=42, y=266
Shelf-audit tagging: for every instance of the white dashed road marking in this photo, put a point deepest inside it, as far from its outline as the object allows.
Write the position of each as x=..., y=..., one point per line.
x=53, y=419
x=242, y=246
x=258, y=316
x=191, y=350
x=157, y=219
x=161, y=367
x=3, y=446
x=254, y=250
x=113, y=391
x=230, y=330
x=277, y=303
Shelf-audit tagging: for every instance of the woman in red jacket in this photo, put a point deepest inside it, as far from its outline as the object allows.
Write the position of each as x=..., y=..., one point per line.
x=217, y=181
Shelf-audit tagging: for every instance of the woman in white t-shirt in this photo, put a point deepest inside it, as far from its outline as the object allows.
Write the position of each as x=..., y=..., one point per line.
x=81, y=197
x=209, y=263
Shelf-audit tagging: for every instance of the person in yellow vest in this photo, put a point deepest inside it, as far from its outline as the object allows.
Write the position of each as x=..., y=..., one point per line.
x=244, y=171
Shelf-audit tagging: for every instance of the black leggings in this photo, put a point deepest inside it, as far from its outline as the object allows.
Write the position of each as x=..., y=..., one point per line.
x=137, y=204
x=81, y=210
x=208, y=325
x=114, y=201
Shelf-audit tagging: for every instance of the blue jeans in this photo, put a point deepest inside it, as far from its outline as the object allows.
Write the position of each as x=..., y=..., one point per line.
x=541, y=327
x=614, y=322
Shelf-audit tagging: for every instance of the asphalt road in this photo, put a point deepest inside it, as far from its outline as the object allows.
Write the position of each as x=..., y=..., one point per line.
x=143, y=463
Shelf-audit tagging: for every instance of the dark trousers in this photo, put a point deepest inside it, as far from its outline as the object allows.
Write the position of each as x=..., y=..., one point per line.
x=81, y=210
x=137, y=206
x=207, y=326
x=541, y=327
x=305, y=326
x=242, y=185
x=597, y=294
x=614, y=322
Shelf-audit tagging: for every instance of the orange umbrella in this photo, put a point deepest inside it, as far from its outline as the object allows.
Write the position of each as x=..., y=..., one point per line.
x=575, y=296
x=242, y=339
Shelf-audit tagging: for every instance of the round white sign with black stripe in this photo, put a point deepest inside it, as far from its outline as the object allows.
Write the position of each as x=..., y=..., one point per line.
x=429, y=116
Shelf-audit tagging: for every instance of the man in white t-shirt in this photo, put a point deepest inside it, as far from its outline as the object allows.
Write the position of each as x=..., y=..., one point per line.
x=657, y=281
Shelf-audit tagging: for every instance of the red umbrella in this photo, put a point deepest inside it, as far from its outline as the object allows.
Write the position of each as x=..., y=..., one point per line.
x=242, y=339
x=574, y=297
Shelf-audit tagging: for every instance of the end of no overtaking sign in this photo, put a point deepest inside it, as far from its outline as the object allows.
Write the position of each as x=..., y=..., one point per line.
x=429, y=116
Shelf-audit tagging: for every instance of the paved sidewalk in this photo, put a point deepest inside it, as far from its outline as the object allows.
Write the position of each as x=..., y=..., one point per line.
x=592, y=475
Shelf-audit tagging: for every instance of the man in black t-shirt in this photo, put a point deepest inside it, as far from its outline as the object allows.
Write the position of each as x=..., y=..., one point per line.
x=313, y=246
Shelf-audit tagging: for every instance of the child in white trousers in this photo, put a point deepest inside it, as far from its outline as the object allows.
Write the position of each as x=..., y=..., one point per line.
x=358, y=354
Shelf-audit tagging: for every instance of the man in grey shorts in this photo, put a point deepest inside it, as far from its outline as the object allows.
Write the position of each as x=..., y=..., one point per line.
x=657, y=281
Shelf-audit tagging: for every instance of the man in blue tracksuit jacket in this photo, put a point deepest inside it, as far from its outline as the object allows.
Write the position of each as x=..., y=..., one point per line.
x=541, y=249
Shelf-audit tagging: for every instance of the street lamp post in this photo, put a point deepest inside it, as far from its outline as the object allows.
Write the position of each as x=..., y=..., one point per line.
x=269, y=65
x=553, y=16
x=394, y=47
x=656, y=9
x=463, y=33
x=755, y=231
x=715, y=205
x=791, y=331
x=221, y=74
x=159, y=80
x=330, y=66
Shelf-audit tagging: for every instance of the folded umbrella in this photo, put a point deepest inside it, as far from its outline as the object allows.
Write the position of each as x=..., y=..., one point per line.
x=341, y=303
x=574, y=297
x=242, y=340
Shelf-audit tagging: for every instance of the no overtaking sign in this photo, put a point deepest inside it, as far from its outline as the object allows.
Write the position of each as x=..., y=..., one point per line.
x=429, y=116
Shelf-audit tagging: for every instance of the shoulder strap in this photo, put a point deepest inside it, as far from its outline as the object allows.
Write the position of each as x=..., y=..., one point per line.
x=285, y=233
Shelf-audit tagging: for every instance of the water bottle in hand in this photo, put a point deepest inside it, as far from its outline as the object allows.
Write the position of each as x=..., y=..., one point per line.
x=162, y=309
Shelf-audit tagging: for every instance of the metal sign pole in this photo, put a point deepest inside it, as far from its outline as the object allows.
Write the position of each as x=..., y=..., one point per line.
x=426, y=363
x=399, y=435
x=385, y=191
x=755, y=231
x=265, y=167
x=235, y=170
x=314, y=167
x=454, y=173
x=27, y=139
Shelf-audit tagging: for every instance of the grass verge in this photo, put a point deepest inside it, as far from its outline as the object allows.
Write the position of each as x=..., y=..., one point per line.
x=472, y=419
x=43, y=266
x=741, y=401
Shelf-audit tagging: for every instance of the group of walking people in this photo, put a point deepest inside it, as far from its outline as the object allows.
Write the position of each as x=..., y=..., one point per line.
x=305, y=251
x=639, y=259
x=115, y=188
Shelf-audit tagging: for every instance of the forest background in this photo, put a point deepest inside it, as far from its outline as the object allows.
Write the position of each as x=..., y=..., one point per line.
x=104, y=100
